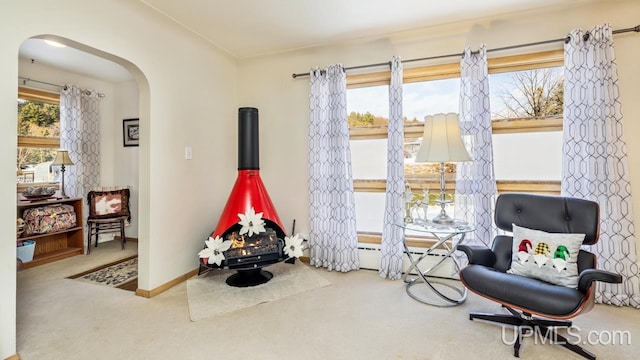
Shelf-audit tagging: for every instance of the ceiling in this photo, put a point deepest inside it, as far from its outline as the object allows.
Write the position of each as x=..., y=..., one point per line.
x=73, y=60
x=250, y=28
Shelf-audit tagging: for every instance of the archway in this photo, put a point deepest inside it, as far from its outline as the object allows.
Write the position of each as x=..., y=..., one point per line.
x=119, y=161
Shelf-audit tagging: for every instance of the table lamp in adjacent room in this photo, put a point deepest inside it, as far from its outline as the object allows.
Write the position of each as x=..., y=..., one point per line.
x=441, y=143
x=62, y=159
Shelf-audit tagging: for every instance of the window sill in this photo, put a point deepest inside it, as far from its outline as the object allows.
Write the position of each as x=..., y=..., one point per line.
x=412, y=241
x=538, y=187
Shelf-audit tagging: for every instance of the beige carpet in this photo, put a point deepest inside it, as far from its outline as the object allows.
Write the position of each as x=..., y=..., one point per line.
x=209, y=295
x=360, y=316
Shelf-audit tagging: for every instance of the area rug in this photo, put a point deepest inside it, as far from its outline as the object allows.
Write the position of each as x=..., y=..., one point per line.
x=209, y=295
x=122, y=274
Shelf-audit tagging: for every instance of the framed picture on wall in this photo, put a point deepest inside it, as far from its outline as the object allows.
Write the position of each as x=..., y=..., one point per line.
x=131, y=132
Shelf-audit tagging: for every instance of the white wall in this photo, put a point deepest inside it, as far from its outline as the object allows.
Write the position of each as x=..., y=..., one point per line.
x=283, y=102
x=187, y=97
x=125, y=159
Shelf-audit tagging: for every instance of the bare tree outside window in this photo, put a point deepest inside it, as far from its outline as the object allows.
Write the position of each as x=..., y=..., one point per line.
x=537, y=93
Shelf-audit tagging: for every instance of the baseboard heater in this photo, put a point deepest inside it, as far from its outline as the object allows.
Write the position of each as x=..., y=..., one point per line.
x=370, y=259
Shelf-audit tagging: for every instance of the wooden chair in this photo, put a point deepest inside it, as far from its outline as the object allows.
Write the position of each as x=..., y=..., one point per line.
x=108, y=213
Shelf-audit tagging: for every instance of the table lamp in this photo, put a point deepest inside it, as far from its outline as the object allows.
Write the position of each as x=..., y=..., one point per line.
x=441, y=143
x=62, y=159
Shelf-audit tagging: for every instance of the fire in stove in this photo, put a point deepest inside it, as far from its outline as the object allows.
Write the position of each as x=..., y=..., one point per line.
x=251, y=249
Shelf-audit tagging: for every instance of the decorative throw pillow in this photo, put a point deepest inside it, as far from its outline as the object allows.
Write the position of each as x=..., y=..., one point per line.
x=108, y=204
x=551, y=257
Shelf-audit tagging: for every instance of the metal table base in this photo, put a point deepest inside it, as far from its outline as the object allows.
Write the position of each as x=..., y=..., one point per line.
x=435, y=284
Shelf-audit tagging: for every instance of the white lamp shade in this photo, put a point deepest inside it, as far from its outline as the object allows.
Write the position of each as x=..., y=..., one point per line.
x=441, y=141
x=62, y=158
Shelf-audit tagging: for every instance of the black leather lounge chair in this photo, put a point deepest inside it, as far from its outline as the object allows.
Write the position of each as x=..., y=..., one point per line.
x=536, y=305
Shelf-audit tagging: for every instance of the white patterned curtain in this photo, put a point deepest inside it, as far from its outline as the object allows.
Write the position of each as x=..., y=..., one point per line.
x=333, y=239
x=392, y=234
x=476, y=190
x=80, y=136
x=595, y=163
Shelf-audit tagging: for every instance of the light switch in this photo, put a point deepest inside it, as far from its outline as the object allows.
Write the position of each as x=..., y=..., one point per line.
x=188, y=153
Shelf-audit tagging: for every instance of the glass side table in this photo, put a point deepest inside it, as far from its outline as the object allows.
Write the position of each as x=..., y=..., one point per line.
x=442, y=233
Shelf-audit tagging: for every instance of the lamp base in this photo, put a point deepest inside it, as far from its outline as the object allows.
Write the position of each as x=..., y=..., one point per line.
x=62, y=193
x=443, y=219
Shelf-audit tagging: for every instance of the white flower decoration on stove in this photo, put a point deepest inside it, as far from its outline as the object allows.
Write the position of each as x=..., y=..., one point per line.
x=251, y=222
x=293, y=246
x=214, y=250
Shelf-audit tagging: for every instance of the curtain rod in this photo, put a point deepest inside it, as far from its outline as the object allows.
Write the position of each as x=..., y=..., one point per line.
x=26, y=80
x=565, y=39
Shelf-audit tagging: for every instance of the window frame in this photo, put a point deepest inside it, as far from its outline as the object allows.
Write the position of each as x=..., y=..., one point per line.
x=37, y=141
x=530, y=61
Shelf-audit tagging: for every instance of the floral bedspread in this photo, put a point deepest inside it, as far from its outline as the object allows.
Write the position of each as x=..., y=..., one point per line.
x=50, y=218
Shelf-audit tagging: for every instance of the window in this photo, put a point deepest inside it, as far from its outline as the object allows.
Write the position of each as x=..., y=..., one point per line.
x=525, y=97
x=526, y=103
x=38, y=116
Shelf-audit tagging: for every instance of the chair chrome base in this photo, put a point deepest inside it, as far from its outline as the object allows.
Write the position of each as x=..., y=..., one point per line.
x=528, y=325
